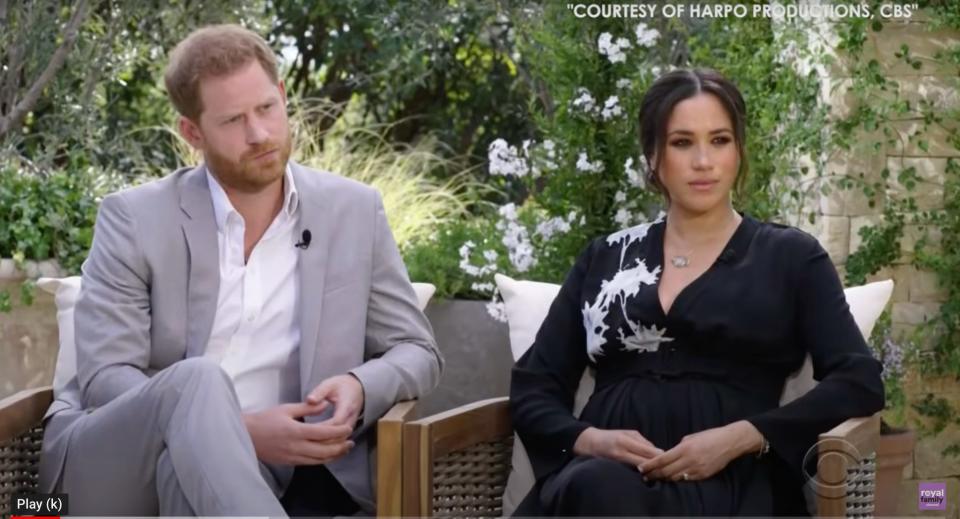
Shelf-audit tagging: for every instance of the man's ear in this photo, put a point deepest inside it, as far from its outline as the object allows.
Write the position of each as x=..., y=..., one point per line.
x=283, y=92
x=190, y=131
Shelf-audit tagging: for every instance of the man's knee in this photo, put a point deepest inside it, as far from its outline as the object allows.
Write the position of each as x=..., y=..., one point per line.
x=195, y=374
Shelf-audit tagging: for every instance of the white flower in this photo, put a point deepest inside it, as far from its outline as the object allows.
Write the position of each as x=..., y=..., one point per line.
x=636, y=176
x=469, y=268
x=611, y=108
x=655, y=70
x=558, y=224
x=516, y=239
x=482, y=287
x=504, y=159
x=646, y=37
x=613, y=50
x=584, y=101
x=620, y=197
x=490, y=255
x=584, y=164
x=508, y=211
x=622, y=218
x=623, y=84
x=497, y=310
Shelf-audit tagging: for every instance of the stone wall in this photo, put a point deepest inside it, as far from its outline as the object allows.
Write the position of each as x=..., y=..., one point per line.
x=842, y=213
x=28, y=334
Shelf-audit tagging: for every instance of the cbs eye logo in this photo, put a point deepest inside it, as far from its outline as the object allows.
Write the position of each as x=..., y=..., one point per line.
x=834, y=453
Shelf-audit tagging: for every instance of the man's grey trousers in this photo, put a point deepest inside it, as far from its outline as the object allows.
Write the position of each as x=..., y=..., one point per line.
x=175, y=446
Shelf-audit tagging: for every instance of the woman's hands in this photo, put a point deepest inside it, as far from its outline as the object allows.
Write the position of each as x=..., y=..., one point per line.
x=626, y=446
x=699, y=455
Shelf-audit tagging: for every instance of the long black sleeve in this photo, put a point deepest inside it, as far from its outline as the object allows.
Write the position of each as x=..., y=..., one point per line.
x=544, y=380
x=849, y=377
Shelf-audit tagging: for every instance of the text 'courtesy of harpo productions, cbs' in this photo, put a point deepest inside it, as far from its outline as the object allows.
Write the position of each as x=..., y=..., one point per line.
x=737, y=10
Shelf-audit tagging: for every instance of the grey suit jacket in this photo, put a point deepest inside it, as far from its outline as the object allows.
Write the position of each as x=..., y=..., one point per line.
x=150, y=288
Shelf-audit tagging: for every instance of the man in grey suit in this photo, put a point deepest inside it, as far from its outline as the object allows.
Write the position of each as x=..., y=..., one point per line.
x=241, y=325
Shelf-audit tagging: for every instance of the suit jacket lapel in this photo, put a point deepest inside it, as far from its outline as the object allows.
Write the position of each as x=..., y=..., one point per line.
x=312, y=267
x=203, y=278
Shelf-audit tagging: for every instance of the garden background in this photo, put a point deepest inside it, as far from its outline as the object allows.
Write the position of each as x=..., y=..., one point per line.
x=502, y=135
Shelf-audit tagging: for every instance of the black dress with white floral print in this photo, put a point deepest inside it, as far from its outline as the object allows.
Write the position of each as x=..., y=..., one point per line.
x=720, y=354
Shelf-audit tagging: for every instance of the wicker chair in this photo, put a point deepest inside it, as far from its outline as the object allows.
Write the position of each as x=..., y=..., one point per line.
x=456, y=463
x=21, y=433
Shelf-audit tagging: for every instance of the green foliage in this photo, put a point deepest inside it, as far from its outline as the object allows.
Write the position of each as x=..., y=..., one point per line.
x=879, y=105
x=49, y=216
x=580, y=170
x=423, y=67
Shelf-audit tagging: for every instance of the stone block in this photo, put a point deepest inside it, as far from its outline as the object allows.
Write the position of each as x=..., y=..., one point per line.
x=857, y=223
x=923, y=43
x=928, y=191
x=914, y=313
x=835, y=237
x=925, y=287
x=935, y=136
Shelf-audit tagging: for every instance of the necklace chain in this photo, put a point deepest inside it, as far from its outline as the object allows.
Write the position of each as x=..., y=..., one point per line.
x=681, y=261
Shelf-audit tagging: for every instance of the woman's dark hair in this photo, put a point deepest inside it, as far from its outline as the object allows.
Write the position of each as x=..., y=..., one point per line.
x=673, y=87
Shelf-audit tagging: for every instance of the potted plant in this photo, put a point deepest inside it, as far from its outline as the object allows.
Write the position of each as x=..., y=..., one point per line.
x=897, y=441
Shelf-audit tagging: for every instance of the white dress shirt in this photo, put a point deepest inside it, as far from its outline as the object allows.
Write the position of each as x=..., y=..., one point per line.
x=256, y=331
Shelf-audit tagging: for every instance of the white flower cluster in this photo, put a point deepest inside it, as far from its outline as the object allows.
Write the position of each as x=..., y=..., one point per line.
x=613, y=49
x=584, y=101
x=584, y=164
x=506, y=160
x=558, y=224
x=637, y=176
x=624, y=84
x=497, y=309
x=466, y=250
x=516, y=239
x=611, y=108
x=646, y=37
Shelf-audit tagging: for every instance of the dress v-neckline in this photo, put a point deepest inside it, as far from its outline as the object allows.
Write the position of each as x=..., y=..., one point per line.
x=689, y=287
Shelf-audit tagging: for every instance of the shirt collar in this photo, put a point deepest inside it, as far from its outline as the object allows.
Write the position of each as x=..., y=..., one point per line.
x=222, y=208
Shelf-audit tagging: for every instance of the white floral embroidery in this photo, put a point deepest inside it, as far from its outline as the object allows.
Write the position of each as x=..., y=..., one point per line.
x=624, y=284
x=644, y=339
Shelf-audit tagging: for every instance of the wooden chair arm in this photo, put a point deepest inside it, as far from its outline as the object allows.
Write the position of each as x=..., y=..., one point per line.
x=848, y=445
x=390, y=457
x=23, y=411
x=428, y=439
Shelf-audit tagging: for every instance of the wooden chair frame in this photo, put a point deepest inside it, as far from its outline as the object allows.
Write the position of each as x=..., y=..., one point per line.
x=430, y=442
x=21, y=434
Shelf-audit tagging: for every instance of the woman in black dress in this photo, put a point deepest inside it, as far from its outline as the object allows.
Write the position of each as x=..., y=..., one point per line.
x=693, y=322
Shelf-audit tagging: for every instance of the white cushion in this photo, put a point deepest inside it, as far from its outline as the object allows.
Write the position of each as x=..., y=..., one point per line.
x=424, y=293
x=66, y=290
x=527, y=303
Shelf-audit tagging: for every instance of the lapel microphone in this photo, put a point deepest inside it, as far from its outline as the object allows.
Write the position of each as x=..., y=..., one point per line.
x=304, y=240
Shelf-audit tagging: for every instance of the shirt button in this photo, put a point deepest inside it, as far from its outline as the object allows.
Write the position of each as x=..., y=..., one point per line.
x=249, y=318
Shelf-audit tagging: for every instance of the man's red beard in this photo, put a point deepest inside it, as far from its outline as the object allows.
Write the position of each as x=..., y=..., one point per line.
x=251, y=175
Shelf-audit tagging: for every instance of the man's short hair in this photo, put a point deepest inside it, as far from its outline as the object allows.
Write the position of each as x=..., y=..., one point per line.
x=212, y=51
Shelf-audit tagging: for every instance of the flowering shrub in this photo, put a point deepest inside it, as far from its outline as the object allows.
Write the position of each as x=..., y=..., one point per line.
x=581, y=175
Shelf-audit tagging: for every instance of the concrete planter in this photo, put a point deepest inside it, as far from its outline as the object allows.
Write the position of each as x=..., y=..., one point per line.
x=28, y=334
x=477, y=352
